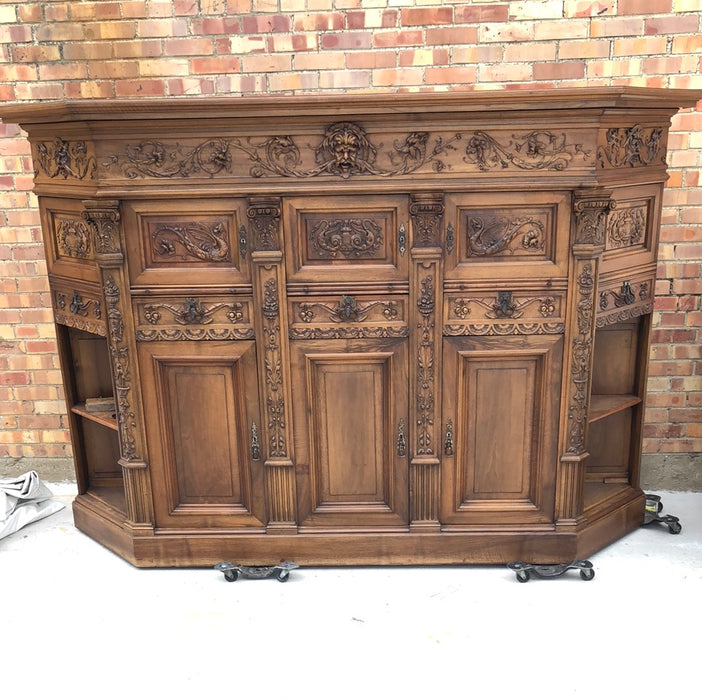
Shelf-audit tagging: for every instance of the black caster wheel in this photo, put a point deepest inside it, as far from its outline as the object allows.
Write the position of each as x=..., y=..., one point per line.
x=587, y=574
x=522, y=576
x=283, y=576
x=231, y=576
x=675, y=528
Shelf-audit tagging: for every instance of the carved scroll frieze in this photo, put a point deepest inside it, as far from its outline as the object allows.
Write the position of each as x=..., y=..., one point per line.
x=347, y=309
x=590, y=219
x=73, y=238
x=492, y=234
x=504, y=305
x=199, y=240
x=525, y=328
x=121, y=368
x=65, y=159
x=535, y=150
x=580, y=361
x=627, y=226
x=193, y=311
x=632, y=146
x=345, y=238
x=629, y=300
x=427, y=213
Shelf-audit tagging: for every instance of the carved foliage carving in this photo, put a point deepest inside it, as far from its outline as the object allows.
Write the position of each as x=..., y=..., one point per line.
x=275, y=404
x=264, y=217
x=632, y=146
x=580, y=362
x=425, y=367
x=193, y=239
x=64, y=159
x=590, y=219
x=104, y=222
x=121, y=368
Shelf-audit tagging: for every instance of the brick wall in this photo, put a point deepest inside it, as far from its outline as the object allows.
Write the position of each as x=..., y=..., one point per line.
x=134, y=48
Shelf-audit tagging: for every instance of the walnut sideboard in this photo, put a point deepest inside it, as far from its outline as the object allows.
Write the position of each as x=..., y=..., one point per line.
x=378, y=329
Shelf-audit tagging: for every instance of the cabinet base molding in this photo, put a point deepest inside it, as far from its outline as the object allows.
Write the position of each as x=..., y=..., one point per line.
x=164, y=548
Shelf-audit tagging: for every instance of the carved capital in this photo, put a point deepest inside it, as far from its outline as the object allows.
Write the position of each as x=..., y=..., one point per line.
x=591, y=218
x=264, y=217
x=104, y=218
x=427, y=211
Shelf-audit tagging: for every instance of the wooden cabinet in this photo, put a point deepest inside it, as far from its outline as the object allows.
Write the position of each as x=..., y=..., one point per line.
x=385, y=329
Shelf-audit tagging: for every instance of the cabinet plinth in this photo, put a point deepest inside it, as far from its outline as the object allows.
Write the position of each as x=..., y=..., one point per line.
x=384, y=329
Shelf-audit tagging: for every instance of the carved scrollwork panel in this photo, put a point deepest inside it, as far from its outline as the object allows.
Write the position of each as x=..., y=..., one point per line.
x=73, y=238
x=627, y=226
x=190, y=240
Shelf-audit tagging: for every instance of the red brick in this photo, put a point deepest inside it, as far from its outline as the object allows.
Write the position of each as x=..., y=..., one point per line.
x=215, y=25
x=426, y=16
x=453, y=75
x=188, y=47
x=257, y=24
x=371, y=18
x=332, y=21
x=402, y=38
x=678, y=24
x=562, y=70
x=347, y=40
x=216, y=64
x=369, y=59
x=650, y=7
x=452, y=36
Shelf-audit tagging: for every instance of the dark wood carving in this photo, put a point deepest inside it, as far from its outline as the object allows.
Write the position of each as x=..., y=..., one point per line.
x=192, y=239
x=590, y=219
x=84, y=315
x=626, y=227
x=632, y=146
x=73, y=238
x=535, y=150
x=64, y=159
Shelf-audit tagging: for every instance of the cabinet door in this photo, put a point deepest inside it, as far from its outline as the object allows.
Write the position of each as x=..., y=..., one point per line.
x=350, y=413
x=200, y=400
x=501, y=398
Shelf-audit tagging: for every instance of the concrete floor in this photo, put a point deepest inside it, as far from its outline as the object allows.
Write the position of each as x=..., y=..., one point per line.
x=76, y=621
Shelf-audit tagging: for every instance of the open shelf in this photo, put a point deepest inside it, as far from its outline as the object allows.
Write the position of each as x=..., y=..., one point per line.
x=603, y=405
x=106, y=418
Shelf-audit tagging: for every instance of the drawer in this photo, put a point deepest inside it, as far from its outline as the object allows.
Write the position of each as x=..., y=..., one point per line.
x=505, y=312
x=184, y=243
x=622, y=297
x=223, y=317
x=346, y=238
x=348, y=316
x=68, y=240
x=631, y=229
x=78, y=306
x=515, y=235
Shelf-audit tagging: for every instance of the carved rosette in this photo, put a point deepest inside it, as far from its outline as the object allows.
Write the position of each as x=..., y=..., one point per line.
x=64, y=159
x=590, y=219
x=631, y=146
x=427, y=212
x=580, y=362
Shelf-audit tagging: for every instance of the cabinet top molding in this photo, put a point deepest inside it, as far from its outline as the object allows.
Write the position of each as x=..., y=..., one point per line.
x=280, y=108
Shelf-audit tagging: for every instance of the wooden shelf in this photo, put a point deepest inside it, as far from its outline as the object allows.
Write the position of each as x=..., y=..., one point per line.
x=106, y=418
x=603, y=405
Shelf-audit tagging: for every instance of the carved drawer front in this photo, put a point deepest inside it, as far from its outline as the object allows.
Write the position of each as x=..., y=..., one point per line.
x=193, y=318
x=504, y=312
x=68, y=240
x=348, y=316
x=624, y=297
x=340, y=239
x=631, y=228
x=511, y=235
x=79, y=306
x=183, y=243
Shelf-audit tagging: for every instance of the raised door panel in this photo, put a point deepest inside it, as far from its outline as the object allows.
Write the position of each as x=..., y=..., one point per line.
x=350, y=415
x=500, y=412
x=188, y=243
x=201, y=400
x=507, y=235
x=341, y=239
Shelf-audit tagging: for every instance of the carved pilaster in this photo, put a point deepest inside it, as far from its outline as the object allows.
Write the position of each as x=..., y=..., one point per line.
x=274, y=362
x=425, y=375
x=591, y=219
x=103, y=218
